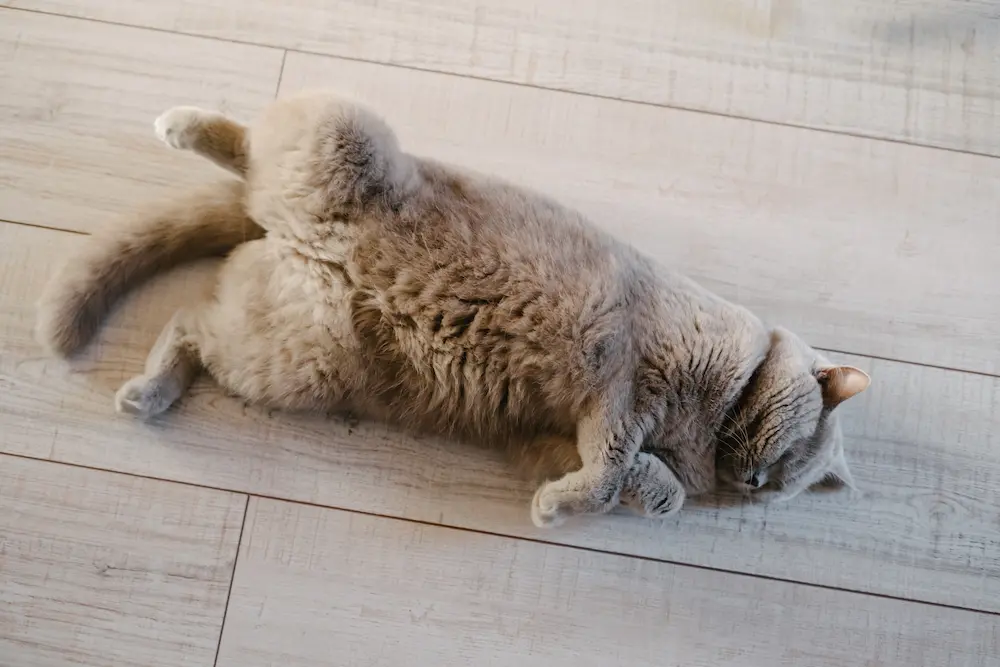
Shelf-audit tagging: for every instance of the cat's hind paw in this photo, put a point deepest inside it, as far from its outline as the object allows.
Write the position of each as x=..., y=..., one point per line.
x=179, y=127
x=146, y=397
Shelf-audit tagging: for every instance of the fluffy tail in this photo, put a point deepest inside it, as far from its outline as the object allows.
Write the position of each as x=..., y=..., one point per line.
x=209, y=222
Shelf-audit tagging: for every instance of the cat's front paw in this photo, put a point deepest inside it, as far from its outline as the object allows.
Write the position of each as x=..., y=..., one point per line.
x=573, y=494
x=545, y=509
x=660, y=504
x=651, y=488
x=179, y=127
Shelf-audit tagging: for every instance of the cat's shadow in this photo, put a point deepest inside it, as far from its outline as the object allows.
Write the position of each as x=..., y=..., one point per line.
x=723, y=499
x=345, y=424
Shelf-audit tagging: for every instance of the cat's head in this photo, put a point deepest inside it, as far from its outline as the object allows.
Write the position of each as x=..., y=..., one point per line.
x=783, y=434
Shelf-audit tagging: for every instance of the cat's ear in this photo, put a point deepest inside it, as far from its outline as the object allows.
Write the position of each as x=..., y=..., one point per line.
x=840, y=383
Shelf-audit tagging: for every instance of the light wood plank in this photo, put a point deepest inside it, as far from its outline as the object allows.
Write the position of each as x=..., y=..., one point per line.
x=923, y=444
x=77, y=107
x=322, y=587
x=103, y=569
x=923, y=71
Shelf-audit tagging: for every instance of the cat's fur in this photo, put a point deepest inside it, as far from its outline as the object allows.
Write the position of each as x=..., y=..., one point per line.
x=366, y=279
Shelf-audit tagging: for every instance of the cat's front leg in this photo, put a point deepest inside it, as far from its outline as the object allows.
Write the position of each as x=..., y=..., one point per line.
x=651, y=488
x=207, y=133
x=608, y=440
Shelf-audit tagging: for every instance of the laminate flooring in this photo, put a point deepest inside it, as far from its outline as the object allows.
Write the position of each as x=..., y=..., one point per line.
x=830, y=165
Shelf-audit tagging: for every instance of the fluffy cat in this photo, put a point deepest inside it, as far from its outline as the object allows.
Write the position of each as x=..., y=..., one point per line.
x=366, y=279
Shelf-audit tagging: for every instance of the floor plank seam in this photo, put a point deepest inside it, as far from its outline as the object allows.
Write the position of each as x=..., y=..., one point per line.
x=532, y=540
x=36, y=225
x=967, y=371
x=281, y=73
x=232, y=578
x=473, y=77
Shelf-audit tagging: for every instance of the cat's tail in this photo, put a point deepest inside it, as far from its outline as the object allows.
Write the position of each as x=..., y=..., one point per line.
x=207, y=222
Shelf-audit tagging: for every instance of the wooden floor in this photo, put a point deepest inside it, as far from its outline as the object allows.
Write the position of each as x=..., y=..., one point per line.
x=832, y=165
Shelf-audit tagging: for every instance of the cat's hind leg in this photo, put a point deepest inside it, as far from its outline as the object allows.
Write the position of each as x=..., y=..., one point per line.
x=210, y=134
x=651, y=488
x=171, y=367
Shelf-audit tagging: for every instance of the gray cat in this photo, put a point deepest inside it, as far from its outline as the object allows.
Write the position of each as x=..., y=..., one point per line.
x=362, y=278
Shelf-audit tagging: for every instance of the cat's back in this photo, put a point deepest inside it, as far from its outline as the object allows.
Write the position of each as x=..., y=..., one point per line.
x=475, y=220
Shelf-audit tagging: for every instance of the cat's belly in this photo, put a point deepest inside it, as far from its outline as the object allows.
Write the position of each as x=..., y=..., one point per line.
x=304, y=334
x=457, y=369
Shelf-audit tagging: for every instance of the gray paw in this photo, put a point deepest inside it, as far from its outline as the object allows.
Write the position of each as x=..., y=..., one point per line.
x=661, y=504
x=651, y=488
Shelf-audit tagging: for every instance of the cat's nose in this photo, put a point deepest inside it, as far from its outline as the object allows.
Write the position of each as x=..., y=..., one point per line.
x=755, y=481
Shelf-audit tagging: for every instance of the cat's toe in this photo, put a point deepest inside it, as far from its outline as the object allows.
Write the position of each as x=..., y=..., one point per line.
x=663, y=508
x=656, y=511
x=176, y=127
x=657, y=503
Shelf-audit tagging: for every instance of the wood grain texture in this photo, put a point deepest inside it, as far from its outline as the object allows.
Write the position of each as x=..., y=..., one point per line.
x=922, y=71
x=923, y=444
x=320, y=587
x=862, y=246
x=77, y=108
x=100, y=569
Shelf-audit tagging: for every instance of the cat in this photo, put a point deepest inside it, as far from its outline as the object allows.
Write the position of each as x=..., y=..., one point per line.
x=365, y=279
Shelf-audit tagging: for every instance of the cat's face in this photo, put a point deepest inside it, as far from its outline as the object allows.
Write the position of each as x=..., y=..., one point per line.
x=783, y=435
